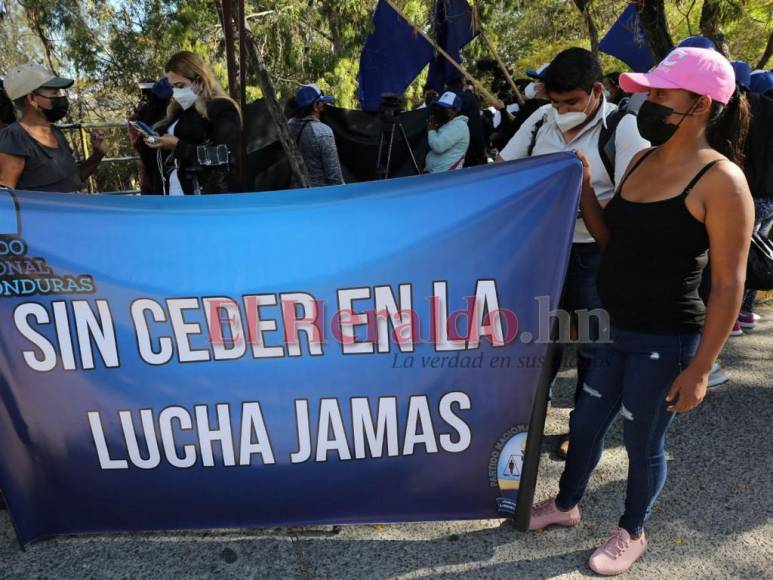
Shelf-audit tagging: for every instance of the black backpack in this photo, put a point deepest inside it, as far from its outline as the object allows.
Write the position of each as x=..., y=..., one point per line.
x=607, y=147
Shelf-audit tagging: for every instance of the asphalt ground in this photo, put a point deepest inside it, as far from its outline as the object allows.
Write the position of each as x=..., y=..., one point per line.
x=713, y=519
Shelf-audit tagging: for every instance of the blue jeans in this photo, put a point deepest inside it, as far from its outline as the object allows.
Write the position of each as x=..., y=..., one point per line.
x=763, y=223
x=580, y=293
x=633, y=377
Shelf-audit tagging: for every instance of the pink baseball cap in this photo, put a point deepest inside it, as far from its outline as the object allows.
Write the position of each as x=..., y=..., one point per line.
x=699, y=70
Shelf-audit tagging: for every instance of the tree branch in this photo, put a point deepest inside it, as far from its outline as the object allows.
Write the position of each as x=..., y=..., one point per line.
x=767, y=54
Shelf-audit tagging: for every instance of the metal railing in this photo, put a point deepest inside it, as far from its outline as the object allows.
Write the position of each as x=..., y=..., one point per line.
x=81, y=142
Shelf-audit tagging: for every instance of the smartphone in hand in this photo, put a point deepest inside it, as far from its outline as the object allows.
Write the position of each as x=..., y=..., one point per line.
x=144, y=128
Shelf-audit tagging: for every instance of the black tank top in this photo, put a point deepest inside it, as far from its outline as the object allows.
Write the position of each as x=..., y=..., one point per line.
x=651, y=267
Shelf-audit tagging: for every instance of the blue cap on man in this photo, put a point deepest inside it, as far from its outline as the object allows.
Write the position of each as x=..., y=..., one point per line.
x=449, y=100
x=743, y=73
x=761, y=81
x=698, y=42
x=309, y=94
x=162, y=89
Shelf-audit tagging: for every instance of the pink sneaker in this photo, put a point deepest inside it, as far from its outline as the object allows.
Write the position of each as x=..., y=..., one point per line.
x=546, y=513
x=617, y=554
x=747, y=320
x=736, y=329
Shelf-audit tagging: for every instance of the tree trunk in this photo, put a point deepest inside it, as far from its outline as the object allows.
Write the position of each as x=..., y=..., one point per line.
x=228, y=33
x=297, y=164
x=767, y=54
x=711, y=24
x=653, y=19
x=593, y=32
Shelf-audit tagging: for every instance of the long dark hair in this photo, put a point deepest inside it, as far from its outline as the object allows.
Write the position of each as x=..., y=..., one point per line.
x=728, y=127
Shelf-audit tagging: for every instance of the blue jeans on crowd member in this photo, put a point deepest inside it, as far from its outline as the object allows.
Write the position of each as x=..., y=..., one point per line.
x=580, y=293
x=763, y=223
x=633, y=377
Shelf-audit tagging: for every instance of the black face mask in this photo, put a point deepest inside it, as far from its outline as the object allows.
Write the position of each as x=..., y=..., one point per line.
x=59, y=108
x=652, y=125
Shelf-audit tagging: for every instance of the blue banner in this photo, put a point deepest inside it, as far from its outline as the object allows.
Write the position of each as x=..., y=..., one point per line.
x=362, y=353
x=393, y=55
x=454, y=26
x=627, y=40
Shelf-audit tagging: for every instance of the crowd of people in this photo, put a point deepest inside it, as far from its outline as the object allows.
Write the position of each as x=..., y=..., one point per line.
x=677, y=174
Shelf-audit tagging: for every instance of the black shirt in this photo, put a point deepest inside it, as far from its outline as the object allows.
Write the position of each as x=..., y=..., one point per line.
x=652, y=265
x=222, y=126
x=45, y=168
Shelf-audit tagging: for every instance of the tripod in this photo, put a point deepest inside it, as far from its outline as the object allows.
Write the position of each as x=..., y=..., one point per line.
x=383, y=165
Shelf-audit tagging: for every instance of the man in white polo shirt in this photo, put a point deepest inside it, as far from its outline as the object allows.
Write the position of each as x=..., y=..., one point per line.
x=580, y=118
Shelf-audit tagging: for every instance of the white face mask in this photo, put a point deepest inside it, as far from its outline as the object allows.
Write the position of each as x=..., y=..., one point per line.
x=184, y=97
x=530, y=92
x=567, y=121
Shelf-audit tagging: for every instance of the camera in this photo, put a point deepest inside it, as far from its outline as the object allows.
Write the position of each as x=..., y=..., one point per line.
x=212, y=155
x=390, y=108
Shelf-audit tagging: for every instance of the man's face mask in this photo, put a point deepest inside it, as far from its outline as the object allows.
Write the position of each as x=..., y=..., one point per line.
x=58, y=107
x=652, y=124
x=570, y=120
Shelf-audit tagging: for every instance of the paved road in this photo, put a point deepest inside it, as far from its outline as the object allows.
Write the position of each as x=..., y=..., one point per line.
x=713, y=519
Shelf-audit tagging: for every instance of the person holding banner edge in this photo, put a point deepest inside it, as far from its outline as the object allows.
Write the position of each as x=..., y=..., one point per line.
x=685, y=195
x=579, y=117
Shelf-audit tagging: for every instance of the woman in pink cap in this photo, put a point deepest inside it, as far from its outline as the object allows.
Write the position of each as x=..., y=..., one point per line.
x=679, y=199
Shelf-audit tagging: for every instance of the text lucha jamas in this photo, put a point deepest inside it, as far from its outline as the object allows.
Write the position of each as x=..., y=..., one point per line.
x=325, y=432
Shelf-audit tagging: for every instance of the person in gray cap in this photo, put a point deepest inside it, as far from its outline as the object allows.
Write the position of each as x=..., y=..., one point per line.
x=34, y=154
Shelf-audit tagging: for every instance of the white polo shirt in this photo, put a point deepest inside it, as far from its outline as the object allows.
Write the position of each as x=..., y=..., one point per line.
x=550, y=139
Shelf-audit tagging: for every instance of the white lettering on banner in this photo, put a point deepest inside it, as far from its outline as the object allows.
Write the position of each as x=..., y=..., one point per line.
x=143, y=440
x=93, y=334
x=277, y=325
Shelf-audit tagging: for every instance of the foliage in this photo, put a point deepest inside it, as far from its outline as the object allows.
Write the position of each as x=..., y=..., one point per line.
x=109, y=45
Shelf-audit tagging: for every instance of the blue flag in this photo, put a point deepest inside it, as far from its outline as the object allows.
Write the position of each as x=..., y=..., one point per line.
x=454, y=27
x=362, y=353
x=394, y=54
x=627, y=41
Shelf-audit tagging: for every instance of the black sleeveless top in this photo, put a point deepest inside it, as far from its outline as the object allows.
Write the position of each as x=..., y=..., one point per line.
x=652, y=266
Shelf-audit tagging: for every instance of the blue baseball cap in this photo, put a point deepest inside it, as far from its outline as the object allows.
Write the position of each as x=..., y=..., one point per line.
x=743, y=73
x=761, y=81
x=698, y=42
x=162, y=89
x=538, y=73
x=449, y=100
x=307, y=95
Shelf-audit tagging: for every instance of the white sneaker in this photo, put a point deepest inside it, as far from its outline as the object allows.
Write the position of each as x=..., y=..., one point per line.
x=717, y=376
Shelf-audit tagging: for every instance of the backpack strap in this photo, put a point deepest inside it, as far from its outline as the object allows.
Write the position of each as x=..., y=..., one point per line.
x=534, y=131
x=607, y=149
x=458, y=164
x=300, y=133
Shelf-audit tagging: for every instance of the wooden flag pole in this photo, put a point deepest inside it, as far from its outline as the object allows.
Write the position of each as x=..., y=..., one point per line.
x=481, y=89
x=297, y=163
x=495, y=52
x=492, y=48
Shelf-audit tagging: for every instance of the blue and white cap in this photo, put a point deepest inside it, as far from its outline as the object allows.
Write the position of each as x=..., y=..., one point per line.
x=449, y=100
x=309, y=94
x=538, y=73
